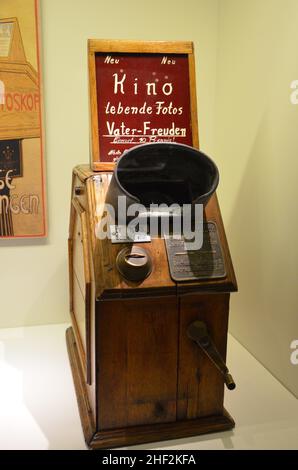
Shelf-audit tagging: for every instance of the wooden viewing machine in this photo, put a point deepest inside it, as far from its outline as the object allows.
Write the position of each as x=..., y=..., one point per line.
x=148, y=339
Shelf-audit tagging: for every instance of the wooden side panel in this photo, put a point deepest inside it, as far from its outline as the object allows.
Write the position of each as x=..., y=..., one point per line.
x=201, y=386
x=86, y=411
x=80, y=283
x=79, y=311
x=82, y=304
x=78, y=254
x=137, y=362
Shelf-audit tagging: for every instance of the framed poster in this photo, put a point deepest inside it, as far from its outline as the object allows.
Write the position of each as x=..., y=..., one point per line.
x=140, y=92
x=22, y=188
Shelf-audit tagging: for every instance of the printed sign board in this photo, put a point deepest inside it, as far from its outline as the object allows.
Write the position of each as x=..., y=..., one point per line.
x=140, y=92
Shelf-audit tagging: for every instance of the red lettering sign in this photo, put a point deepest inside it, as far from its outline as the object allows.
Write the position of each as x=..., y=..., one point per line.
x=142, y=98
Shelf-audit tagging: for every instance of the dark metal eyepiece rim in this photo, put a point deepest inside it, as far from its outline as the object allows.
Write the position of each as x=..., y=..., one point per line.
x=187, y=148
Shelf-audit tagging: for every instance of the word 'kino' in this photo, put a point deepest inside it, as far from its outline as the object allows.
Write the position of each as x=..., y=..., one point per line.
x=146, y=130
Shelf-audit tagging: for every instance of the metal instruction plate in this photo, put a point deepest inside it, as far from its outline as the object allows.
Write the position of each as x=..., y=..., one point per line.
x=120, y=234
x=191, y=265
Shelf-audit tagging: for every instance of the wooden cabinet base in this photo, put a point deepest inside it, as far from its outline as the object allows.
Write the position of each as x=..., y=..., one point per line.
x=136, y=434
x=139, y=374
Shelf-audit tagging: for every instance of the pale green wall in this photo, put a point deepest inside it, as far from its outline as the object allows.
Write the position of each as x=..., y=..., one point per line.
x=257, y=152
x=34, y=278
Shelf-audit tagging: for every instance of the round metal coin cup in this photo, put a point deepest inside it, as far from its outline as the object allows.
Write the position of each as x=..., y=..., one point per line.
x=134, y=263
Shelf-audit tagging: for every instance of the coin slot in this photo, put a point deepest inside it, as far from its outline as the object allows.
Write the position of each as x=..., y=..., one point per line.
x=134, y=263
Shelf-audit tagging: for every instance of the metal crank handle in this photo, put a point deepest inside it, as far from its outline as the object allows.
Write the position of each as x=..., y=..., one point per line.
x=197, y=332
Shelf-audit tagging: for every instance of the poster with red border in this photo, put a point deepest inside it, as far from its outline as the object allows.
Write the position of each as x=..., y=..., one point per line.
x=22, y=179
